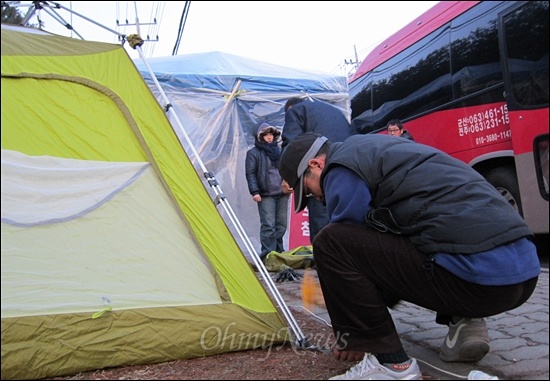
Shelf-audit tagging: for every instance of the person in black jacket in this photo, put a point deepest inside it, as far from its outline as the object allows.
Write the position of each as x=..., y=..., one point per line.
x=395, y=128
x=312, y=115
x=265, y=186
x=408, y=222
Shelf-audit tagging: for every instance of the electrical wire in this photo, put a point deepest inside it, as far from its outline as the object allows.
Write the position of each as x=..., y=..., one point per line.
x=154, y=25
x=183, y=20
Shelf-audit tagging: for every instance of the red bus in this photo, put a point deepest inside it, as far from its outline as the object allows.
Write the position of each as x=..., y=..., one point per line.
x=470, y=78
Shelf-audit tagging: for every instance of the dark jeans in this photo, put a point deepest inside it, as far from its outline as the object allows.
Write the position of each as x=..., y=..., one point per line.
x=318, y=217
x=273, y=223
x=358, y=266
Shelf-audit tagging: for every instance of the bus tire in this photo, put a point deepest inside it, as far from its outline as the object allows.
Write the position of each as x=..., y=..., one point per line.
x=505, y=180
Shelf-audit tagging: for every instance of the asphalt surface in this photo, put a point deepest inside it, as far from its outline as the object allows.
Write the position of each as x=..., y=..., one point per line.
x=519, y=338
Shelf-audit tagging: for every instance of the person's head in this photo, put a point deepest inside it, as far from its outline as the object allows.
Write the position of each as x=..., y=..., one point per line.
x=394, y=127
x=267, y=133
x=291, y=102
x=301, y=164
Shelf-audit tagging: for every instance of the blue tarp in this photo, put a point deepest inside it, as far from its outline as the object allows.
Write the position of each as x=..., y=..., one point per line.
x=220, y=71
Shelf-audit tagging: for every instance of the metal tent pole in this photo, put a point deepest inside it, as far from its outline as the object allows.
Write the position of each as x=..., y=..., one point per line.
x=301, y=341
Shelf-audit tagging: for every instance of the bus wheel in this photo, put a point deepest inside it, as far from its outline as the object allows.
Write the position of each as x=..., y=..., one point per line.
x=505, y=180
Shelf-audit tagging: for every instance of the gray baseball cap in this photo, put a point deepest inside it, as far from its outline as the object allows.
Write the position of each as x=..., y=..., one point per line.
x=294, y=163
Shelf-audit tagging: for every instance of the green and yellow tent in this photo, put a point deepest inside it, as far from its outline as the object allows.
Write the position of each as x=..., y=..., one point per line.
x=113, y=252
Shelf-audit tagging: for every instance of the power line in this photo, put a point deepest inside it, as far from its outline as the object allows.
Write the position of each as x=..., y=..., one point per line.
x=183, y=20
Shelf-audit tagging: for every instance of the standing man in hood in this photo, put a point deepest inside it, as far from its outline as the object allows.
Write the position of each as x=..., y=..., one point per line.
x=265, y=186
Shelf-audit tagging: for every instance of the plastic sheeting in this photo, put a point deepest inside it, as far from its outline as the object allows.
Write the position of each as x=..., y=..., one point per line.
x=221, y=128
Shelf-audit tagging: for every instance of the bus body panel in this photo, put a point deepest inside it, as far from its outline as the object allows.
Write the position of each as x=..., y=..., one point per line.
x=525, y=126
x=468, y=131
x=469, y=78
x=533, y=213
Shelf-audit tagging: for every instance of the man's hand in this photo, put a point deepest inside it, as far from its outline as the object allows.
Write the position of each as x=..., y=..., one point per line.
x=257, y=198
x=287, y=189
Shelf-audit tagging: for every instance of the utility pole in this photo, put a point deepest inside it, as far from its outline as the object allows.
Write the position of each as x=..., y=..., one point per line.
x=137, y=24
x=355, y=63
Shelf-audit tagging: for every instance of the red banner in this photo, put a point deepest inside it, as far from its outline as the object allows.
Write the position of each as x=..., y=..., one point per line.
x=298, y=227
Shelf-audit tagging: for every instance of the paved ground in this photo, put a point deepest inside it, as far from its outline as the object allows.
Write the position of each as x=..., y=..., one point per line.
x=519, y=338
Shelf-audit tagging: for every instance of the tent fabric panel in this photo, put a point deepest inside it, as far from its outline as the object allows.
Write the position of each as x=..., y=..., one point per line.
x=93, y=260
x=72, y=136
x=17, y=43
x=62, y=127
x=45, y=189
x=203, y=216
x=55, y=345
x=113, y=70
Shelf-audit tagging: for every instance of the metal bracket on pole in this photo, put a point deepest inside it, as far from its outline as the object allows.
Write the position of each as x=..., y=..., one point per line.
x=219, y=199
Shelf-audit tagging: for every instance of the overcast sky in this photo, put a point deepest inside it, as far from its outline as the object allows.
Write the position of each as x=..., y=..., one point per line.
x=317, y=36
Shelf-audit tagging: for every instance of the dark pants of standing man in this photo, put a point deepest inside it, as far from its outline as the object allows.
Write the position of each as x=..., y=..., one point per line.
x=355, y=263
x=318, y=217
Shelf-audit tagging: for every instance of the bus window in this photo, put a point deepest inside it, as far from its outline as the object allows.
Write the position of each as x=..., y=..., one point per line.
x=475, y=52
x=414, y=81
x=527, y=62
x=361, y=105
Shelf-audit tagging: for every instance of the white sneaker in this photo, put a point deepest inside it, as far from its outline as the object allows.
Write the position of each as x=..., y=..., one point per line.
x=370, y=369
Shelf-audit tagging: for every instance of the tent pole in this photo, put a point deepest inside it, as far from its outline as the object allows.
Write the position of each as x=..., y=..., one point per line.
x=301, y=341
